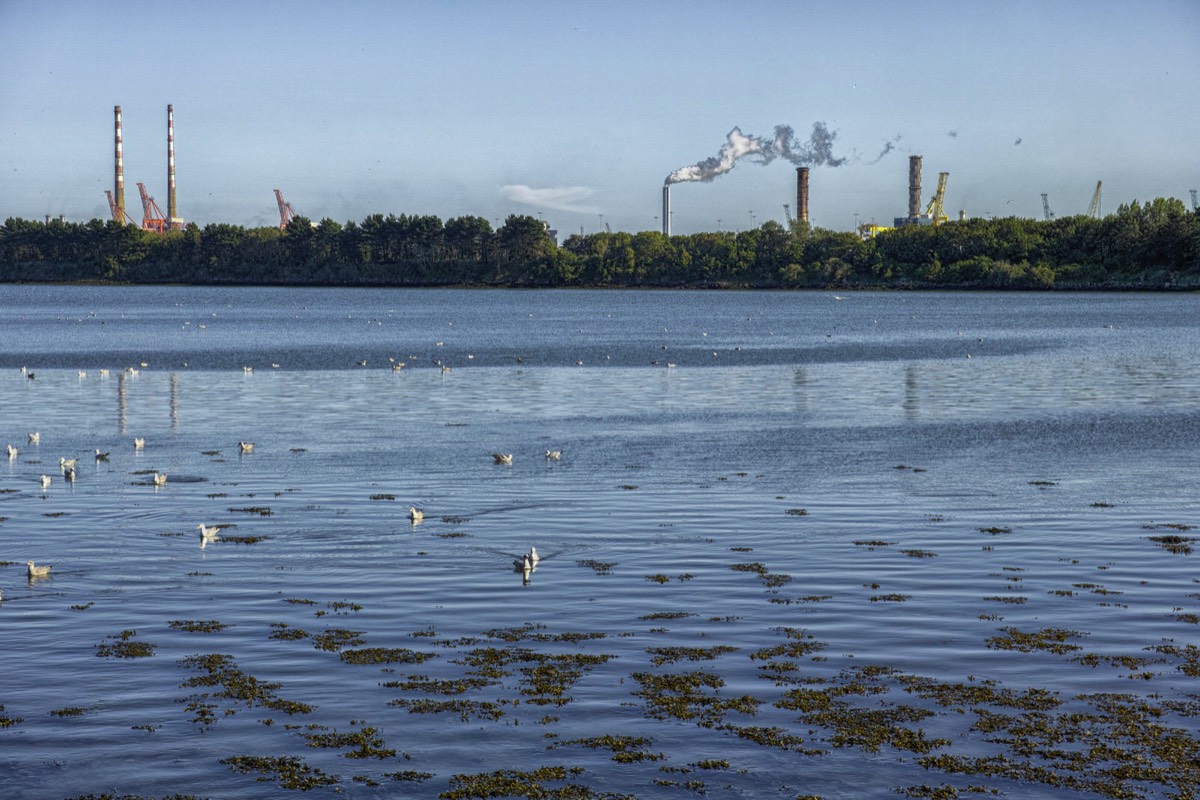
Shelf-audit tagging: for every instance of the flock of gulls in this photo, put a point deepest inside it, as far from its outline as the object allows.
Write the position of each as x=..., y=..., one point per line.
x=525, y=564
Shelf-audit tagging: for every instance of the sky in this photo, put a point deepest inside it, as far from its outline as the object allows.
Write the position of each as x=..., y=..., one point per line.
x=577, y=112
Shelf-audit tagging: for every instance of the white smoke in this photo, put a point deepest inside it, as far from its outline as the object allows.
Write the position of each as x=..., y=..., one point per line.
x=559, y=198
x=817, y=151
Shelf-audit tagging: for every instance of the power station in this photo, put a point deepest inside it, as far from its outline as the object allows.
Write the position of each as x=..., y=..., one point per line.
x=152, y=217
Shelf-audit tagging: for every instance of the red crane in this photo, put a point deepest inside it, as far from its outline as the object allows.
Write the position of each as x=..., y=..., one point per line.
x=152, y=216
x=286, y=212
x=118, y=214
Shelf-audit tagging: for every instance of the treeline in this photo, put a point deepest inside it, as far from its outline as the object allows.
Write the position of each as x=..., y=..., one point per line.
x=1156, y=245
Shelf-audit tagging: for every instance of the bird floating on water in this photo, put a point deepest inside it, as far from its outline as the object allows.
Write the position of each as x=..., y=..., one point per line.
x=38, y=572
x=139, y=444
x=69, y=474
x=46, y=481
x=533, y=557
x=554, y=455
x=208, y=533
x=247, y=370
x=160, y=479
x=245, y=447
x=101, y=456
x=502, y=458
x=67, y=463
x=415, y=514
x=12, y=452
x=35, y=438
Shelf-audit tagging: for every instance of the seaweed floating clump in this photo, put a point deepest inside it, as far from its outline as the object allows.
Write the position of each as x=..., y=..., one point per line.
x=197, y=626
x=367, y=743
x=123, y=645
x=289, y=772
x=69, y=711
x=220, y=673
x=1051, y=640
x=599, y=567
x=385, y=655
x=625, y=749
x=519, y=783
x=7, y=721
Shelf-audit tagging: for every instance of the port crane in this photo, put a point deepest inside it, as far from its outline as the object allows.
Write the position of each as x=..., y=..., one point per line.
x=286, y=212
x=1094, y=208
x=152, y=216
x=787, y=213
x=935, y=211
x=118, y=214
x=1046, y=212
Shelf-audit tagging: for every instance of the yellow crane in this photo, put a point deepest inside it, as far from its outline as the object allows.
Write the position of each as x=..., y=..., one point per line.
x=1094, y=208
x=934, y=211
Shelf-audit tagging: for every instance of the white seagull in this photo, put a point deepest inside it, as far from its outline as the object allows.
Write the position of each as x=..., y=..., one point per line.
x=208, y=534
x=502, y=458
x=35, y=438
x=533, y=557
x=245, y=447
x=38, y=572
x=415, y=514
x=160, y=479
x=139, y=444
x=12, y=452
x=66, y=463
x=554, y=455
x=101, y=456
x=45, y=481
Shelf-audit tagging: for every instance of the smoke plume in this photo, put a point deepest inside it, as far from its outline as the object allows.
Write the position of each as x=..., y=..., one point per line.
x=887, y=148
x=817, y=151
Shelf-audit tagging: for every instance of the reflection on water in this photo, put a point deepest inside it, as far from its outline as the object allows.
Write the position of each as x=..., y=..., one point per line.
x=844, y=491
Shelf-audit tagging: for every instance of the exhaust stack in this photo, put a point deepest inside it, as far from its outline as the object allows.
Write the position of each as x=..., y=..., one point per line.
x=802, y=193
x=119, y=169
x=666, y=211
x=914, y=187
x=172, y=214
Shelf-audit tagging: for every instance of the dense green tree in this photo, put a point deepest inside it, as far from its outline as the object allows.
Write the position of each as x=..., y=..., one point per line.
x=1156, y=244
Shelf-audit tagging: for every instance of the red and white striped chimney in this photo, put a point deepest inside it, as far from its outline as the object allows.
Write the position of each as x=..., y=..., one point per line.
x=172, y=215
x=119, y=176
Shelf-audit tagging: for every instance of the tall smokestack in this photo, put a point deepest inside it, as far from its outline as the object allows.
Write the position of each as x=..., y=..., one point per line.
x=172, y=215
x=119, y=175
x=914, y=187
x=667, y=210
x=802, y=193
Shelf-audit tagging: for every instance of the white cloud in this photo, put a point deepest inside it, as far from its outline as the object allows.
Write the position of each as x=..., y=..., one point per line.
x=559, y=198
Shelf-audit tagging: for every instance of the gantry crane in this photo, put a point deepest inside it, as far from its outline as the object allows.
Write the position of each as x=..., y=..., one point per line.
x=118, y=214
x=1094, y=208
x=934, y=210
x=787, y=212
x=1046, y=207
x=152, y=216
x=286, y=212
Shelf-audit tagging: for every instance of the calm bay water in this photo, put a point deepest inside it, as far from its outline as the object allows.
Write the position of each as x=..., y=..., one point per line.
x=901, y=480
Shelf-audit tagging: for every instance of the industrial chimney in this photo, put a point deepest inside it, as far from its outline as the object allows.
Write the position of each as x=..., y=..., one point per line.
x=119, y=176
x=914, y=187
x=802, y=193
x=666, y=210
x=172, y=214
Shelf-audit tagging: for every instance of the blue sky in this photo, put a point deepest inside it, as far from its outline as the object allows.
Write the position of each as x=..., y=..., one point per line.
x=579, y=110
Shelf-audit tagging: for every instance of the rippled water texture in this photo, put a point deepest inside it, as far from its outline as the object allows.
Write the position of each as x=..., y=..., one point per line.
x=860, y=528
